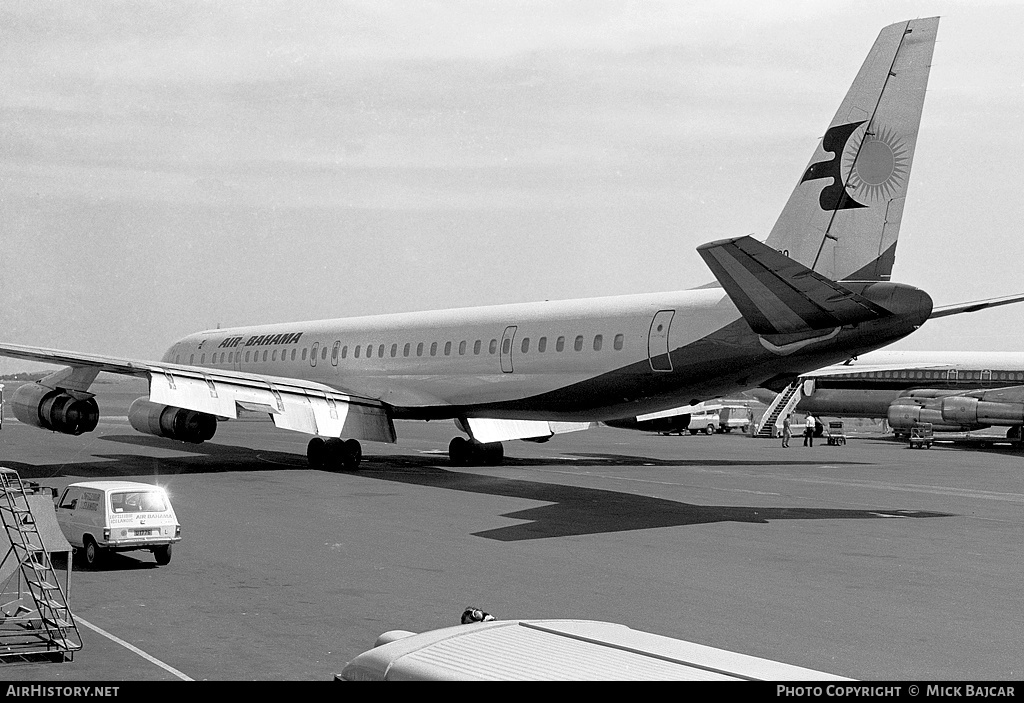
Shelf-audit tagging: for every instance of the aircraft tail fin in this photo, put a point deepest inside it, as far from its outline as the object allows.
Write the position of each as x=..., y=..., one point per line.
x=777, y=295
x=843, y=218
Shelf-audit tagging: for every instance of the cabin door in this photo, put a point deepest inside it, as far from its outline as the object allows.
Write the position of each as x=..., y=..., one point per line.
x=507, y=340
x=657, y=341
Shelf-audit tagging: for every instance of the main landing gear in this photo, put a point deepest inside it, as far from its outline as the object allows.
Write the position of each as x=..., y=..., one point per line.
x=333, y=454
x=469, y=452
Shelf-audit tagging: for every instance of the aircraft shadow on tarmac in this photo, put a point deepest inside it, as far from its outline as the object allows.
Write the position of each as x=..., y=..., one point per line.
x=572, y=510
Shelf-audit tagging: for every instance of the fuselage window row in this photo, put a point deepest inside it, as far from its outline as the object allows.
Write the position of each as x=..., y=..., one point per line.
x=342, y=351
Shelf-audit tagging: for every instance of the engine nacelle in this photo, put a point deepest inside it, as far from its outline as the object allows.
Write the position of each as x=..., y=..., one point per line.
x=171, y=422
x=965, y=409
x=55, y=409
x=904, y=413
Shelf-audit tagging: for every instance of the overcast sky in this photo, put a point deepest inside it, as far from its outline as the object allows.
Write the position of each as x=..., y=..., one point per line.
x=166, y=167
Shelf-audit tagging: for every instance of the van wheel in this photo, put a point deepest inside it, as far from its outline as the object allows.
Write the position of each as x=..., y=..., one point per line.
x=93, y=554
x=163, y=555
x=709, y=430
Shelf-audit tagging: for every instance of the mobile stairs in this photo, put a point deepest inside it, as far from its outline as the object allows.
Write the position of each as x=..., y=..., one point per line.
x=771, y=421
x=35, y=620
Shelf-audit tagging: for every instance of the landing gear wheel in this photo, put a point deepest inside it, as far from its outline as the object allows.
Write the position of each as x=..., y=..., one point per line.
x=463, y=452
x=163, y=555
x=352, y=455
x=493, y=453
x=317, y=453
x=458, y=451
x=333, y=454
x=93, y=555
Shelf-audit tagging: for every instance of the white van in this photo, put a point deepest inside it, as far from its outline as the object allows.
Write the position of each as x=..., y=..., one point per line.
x=98, y=517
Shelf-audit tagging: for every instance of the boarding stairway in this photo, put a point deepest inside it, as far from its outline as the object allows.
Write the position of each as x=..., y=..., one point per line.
x=35, y=619
x=782, y=405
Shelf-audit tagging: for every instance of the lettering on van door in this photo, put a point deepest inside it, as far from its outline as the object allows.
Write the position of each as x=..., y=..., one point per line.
x=657, y=341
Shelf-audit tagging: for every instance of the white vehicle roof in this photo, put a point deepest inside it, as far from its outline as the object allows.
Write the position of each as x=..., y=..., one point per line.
x=116, y=485
x=547, y=650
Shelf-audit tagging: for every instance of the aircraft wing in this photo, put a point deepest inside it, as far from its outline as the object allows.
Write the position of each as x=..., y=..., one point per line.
x=293, y=404
x=777, y=295
x=958, y=308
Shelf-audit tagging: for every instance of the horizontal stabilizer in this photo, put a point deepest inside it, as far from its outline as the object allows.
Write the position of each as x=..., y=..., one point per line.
x=777, y=295
x=493, y=430
x=974, y=306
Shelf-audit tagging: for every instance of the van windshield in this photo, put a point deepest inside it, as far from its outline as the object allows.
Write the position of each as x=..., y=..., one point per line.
x=138, y=502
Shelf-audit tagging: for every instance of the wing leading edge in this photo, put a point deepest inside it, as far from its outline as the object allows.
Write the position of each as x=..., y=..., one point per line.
x=293, y=404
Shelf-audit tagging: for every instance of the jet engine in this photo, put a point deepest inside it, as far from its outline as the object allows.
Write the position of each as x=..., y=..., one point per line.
x=68, y=412
x=906, y=412
x=969, y=410
x=171, y=422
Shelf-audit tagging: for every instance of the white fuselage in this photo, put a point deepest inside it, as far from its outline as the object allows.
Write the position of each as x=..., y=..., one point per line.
x=469, y=356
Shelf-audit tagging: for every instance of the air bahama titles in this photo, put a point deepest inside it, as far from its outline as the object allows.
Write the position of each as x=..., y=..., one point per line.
x=288, y=338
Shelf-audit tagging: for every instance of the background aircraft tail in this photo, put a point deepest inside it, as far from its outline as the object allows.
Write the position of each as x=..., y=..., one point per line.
x=843, y=218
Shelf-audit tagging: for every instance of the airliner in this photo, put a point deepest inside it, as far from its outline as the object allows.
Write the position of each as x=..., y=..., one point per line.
x=952, y=391
x=816, y=292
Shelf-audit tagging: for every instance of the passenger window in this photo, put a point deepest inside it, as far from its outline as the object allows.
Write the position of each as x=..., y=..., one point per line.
x=323, y=353
x=304, y=350
x=191, y=358
x=247, y=357
x=273, y=357
x=344, y=352
x=525, y=347
x=202, y=359
x=405, y=349
x=231, y=357
x=493, y=346
x=542, y=344
x=476, y=346
x=506, y=344
x=394, y=350
x=380, y=351
x=369, y=350
x=560, y=344
x=356, y=353
x=598, y=342
x=618, y=342
x=462, y=348
x=578, y=344
x=265, y=353
x=293, y=356
x=433, y=348
x=447, y=348
x=419, y=349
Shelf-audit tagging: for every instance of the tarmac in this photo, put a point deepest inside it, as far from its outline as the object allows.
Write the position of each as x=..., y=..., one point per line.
x=868, y=560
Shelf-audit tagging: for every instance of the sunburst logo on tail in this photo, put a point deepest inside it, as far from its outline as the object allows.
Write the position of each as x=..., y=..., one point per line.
x=876, y=165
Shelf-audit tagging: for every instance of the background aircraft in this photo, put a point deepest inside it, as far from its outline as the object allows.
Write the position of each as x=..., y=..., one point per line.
x=953, y=391
x=815, y=293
